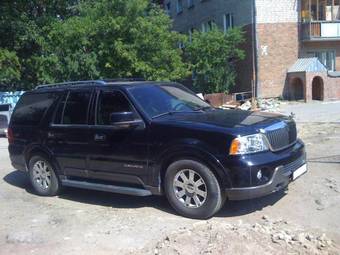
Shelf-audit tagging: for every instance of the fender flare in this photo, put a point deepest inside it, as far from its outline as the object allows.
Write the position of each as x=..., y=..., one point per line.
x=36, y=149
x=187, y=151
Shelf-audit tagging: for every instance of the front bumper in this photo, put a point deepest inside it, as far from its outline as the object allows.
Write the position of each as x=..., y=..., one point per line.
x=280, y=180
x=279, y=168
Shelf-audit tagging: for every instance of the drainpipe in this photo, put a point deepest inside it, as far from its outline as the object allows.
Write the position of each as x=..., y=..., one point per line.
x=255, y=90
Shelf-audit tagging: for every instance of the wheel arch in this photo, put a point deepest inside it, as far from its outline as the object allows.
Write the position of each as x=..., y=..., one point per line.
x=196, y=154
x=40, y=150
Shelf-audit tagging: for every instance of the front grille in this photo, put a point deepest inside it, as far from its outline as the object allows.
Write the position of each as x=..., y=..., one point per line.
x=3, y=121
x=292, y=166
x=281, y=137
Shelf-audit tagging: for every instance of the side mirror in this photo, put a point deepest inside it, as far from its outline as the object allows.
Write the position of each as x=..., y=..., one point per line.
x=119, y=117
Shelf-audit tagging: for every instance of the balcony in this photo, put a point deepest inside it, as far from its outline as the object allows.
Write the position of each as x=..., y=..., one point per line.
x=320, y=31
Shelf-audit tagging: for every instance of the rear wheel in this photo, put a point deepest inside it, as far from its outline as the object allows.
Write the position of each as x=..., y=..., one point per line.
x=42, y=176
x=193, y=190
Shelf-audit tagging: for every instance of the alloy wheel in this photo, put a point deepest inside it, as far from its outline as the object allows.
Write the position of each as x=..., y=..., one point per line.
x=190, y=188
x=42, y=174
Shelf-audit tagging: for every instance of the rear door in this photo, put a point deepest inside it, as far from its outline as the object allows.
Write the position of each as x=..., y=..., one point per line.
x=27, y=123
x=68, y=136
x=118, y=151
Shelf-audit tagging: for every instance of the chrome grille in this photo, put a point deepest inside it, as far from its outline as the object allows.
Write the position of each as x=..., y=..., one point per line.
x=281, y=135
x=3, y=121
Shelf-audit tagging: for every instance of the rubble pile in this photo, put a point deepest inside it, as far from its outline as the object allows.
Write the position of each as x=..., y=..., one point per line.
x=265, y=237
x=246, y=106
x=264, y=105
x=268, y=105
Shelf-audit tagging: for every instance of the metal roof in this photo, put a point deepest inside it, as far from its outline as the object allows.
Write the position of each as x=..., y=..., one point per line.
x=307, y=65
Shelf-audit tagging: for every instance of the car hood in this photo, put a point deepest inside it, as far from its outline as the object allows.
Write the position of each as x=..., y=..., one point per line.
x=230, y=120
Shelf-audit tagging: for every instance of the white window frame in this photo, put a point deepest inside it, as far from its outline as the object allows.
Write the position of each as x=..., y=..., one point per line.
x=168, y=8
x=190, y=32
x=314, y=52
x=179, y=6
x=228, y=17
x=207, y=26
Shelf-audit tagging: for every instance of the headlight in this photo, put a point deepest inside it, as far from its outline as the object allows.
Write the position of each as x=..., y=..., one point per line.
x=248, y=144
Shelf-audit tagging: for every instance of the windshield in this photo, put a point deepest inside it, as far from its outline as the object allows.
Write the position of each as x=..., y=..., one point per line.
x=157, y=100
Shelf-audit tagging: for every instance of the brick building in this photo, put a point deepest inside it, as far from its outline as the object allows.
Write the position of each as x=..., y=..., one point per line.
x=281, y=35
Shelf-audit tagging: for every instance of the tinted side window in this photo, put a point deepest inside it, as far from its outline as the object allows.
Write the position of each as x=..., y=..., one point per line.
x=60, y=109
x=31, y=108
x=76, y=109
x=111, y=102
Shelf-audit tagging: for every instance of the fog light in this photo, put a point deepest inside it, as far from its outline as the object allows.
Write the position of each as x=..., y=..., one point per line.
x=259, y=175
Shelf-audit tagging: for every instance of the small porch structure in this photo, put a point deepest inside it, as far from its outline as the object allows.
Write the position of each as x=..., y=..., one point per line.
x=308, y=79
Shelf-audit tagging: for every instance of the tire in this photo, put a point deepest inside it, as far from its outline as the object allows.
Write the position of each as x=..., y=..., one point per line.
x=209, y=196
x=43, y=176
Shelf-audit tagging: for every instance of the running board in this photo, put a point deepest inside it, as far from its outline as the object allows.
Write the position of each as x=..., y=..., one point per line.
x=106, y=187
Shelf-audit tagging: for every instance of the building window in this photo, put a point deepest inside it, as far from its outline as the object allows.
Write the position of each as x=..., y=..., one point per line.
x=228, y=21
x=320, y=10
x=190, y=3
x=207, y=26
x=326, y=57
x=190, y=32
x=179, y=6
x=168, y=8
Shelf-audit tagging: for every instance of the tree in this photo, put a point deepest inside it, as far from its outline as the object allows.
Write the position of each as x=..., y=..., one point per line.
x=9, y=67
x=23, y=26
x=112, y=38
x=212, y=56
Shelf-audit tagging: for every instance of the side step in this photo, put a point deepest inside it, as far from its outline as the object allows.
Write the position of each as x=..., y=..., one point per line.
x=107, y=188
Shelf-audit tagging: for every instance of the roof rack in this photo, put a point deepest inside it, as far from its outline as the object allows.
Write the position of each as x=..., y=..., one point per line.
x=87, y=83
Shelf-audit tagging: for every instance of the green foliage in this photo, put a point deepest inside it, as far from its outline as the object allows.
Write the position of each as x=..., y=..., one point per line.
x=213, y=56
x=46, y=41
x=114, y=38
x=9, y=67
x=75, y=40
x=23, y=27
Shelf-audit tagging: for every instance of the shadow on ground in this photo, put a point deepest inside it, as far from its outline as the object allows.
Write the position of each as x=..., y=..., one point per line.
x=231, y=209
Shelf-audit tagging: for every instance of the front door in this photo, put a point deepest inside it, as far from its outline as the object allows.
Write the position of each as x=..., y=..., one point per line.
x=118, y=150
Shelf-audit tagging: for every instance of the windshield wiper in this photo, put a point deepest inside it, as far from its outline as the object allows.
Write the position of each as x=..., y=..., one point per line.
x=172, y=112
x=203, y=108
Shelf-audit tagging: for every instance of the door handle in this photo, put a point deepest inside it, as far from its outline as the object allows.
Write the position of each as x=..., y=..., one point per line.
x=99, y=138
x=50, y=135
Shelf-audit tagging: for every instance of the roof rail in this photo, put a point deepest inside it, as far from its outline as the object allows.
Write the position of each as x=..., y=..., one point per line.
x=86, y=83
x=123, y=79
x=71, y=83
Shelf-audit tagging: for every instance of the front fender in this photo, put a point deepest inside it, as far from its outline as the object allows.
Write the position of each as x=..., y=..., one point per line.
x=189, y=149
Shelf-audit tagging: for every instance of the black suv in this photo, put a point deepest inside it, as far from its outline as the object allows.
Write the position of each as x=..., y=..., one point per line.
x=151, y=138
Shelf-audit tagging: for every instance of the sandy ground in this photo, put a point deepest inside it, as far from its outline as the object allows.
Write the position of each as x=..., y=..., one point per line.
x=304, y=220
x=315, y=111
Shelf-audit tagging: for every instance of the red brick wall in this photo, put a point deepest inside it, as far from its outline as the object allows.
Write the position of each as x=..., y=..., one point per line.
x=278, y=50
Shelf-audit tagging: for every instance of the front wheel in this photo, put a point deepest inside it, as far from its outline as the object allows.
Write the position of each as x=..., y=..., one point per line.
x=43, y=177
x=193, y=190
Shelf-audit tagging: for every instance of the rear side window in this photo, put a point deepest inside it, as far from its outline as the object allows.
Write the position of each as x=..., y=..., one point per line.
x=31, y=108
x=75, y=110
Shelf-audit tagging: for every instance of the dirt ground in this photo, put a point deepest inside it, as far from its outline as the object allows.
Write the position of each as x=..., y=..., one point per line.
x=303, y=220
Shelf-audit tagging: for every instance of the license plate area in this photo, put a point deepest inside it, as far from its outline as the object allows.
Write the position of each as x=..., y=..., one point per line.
x=300, y=171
